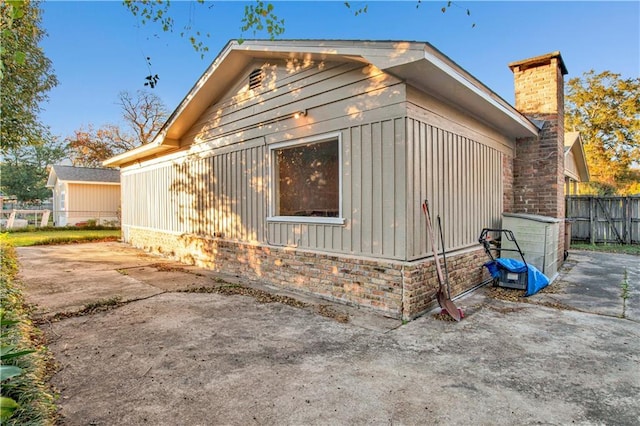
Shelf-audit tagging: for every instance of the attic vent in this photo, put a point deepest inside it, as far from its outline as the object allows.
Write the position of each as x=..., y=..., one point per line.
x=255, y=79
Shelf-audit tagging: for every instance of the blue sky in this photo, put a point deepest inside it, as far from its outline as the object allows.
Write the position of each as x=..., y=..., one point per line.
x=98, y=49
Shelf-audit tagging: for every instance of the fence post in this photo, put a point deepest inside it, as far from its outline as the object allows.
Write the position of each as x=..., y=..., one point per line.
x=592, y=226
x=627, y=220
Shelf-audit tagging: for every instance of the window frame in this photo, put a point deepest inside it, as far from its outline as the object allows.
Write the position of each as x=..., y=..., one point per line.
x=272, y=217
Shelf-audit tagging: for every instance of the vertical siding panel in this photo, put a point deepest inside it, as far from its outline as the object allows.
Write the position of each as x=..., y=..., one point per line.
x=420, y=185
x=440, y=176
x=252, y=194
x=184, y=177
x=319, y=232
x=356, y=190
x=217, y=178
x=424, y=158
x=430, y=176
x=454, y=223
x=410, y=178
x=336, y=237
x=328, y=237
x=376, y=171
x=347, y=194
x=243, y=170
x=227, y=192
x=485, y=192
x=220, y=200
x=367, y=189
x=196, y=209
x=389, y=195
x=263, y=180
x=313, y=237
x=448, y=190
x=466, y=200
x=399, y=218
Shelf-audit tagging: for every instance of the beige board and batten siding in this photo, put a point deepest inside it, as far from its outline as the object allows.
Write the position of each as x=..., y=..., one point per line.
x=218, y=184
x=454, y=161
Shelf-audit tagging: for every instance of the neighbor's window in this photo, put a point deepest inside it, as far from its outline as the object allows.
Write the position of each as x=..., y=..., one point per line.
x=306, y=179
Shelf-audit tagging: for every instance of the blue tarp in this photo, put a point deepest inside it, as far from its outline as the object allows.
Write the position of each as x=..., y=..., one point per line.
x=536, y=280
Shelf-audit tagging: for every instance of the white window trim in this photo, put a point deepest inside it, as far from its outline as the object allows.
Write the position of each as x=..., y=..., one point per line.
x=272, y=184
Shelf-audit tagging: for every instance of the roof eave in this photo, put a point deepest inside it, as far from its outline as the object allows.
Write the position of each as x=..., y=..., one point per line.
x=159, y=146
x=448, y=81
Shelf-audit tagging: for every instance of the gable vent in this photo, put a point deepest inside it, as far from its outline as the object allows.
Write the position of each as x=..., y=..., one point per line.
x=255, y=79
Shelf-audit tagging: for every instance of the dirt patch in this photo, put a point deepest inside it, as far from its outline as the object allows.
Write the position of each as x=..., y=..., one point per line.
x=329, y=312
x=260, y=296
x=508, y=294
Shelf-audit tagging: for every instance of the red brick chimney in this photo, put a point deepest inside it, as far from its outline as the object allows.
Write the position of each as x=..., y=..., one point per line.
x=538, y=166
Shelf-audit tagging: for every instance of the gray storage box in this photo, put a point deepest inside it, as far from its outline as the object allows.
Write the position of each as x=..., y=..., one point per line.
x=538, y=237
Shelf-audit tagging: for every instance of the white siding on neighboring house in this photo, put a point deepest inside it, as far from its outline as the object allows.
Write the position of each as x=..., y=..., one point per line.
x=86, y=201
x=570, y=168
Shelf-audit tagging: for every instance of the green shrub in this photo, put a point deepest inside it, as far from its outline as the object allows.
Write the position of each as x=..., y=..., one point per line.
x=24, y=358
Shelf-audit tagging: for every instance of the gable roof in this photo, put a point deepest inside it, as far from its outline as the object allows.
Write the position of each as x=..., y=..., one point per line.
x=417, y=63
x=573, y=144
x=82, y=175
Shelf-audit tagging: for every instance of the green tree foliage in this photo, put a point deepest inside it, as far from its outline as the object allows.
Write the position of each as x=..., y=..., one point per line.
x=144, y=115
x=259, y=17
x=25, y=171
x=27, y=75
x=605, y=109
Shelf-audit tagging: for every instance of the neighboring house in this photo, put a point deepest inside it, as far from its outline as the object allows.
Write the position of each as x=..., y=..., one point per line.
x=84, y=194
x=304, y=164
x=575, y=163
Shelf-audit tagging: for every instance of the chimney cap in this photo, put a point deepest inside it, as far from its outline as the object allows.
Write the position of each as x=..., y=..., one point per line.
x=540, y=60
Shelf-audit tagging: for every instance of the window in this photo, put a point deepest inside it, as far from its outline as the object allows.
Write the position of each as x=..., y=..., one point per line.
x=306, y=180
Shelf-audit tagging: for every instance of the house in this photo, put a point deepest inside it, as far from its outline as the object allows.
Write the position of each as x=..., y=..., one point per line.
x=304, y=164
x=84, y=194
x=576, y=169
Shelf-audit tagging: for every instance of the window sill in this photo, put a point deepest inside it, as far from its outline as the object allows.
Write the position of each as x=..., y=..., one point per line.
x=308, y=219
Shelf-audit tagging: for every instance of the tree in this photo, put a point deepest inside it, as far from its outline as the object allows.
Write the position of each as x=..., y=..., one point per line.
x=605, y=109
x=144, y=115
x=26, y=76
x=258, y=17
x=25, y=170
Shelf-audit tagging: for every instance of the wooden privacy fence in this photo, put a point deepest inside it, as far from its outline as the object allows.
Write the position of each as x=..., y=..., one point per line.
x=603, y=219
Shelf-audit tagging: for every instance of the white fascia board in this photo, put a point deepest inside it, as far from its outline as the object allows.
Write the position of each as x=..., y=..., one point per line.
x=86, y=182
x=159, y=144
x=464, y=81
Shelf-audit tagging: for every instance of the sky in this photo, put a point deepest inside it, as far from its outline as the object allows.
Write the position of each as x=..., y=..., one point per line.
x=99, y=49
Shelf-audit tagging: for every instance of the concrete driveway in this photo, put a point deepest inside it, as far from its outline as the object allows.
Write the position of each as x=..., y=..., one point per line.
x=240, y=357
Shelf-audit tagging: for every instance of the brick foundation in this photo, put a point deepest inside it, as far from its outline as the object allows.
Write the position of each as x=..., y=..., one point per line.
x=396, y=289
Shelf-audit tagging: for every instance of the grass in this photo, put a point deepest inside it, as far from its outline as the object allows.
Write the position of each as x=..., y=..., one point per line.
x=609, y=248
x=63, y=236
x=30, y=389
